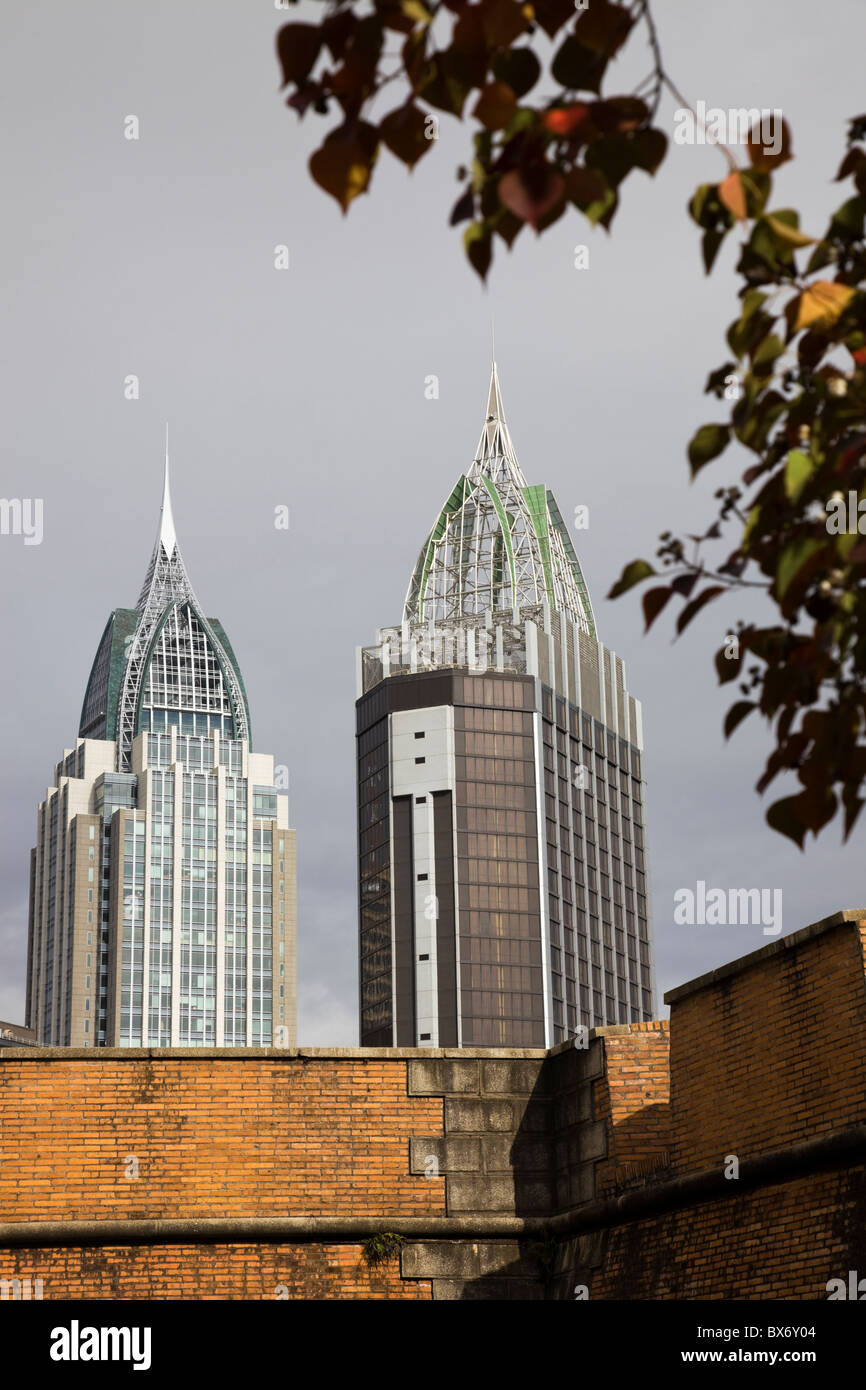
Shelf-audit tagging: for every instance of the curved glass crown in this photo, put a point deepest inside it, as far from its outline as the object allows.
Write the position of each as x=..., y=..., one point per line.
x=497, y=543
x=163, y=663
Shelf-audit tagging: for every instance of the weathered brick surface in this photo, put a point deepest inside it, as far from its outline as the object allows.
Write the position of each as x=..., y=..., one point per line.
x=778, y=1242
x=772, y=1054
x=612, y=1111
x=213, y=1137
x=213, y=1272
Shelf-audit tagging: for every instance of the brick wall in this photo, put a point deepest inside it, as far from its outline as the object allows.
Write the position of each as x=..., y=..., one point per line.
x=509, y=1175
x=772, y=1051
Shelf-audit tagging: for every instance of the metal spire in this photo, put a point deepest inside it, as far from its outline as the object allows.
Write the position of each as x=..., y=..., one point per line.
x=166, y=584
x=495, y=454
x=167, y=534
x=166, y=577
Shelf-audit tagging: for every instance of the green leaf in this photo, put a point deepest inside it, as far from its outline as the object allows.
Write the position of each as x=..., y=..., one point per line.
x=710, y=243
x=785, y=225
x=848, y=219
x=821, y=256
x=798, y=470
x=770, y=348
x=707, y=444
x=634, y=573
x=478, y=245
x=792, y=560
x=602, y=209
x=751, y=522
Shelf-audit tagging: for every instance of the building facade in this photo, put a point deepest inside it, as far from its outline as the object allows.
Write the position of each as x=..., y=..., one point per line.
x=14, y=1035
x=163, y=881
x=501, y=793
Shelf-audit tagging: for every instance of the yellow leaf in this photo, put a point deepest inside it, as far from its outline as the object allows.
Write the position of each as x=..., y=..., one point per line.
x=413, y=9
x=822, y=304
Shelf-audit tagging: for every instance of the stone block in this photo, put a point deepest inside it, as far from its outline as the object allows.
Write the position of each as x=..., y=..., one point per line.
x=453, y=1155
x=511, y=1077
x=479, y=1116
x=442, y=1077
x=439, y=1259
x=592, y=1140
x=480, y=1192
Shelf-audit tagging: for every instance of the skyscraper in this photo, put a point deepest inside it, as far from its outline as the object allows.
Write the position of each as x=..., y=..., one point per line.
x=501, y=796
x=163, y=882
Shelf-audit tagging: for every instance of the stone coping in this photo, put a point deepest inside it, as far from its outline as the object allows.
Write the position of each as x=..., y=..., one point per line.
x=844, y=918
x=273, y=1054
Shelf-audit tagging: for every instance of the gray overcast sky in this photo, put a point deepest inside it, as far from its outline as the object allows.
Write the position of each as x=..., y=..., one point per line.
x=306, y=388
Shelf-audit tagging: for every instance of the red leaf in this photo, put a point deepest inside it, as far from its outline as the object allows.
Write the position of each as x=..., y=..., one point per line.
x=760, y=156
x=697, y=604
x=564, y=120
x=654, y=601
x=529, y=194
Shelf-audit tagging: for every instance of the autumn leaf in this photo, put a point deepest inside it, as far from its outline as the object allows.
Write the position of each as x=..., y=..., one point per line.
x=495, y=106
x=298, y=47
x=565, y=120
x=654, y=601
x=404, y=131
x=706, y=596
x=530, y=194
x=343, y=168
x=733, y=195
x=604, y=27
x=519, y=68
x=584, y=186
x=761, y=155
x=820, y=305
x=736, y=714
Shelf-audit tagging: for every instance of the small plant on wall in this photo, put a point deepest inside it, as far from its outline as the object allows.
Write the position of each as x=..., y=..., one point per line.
x=381, y=1247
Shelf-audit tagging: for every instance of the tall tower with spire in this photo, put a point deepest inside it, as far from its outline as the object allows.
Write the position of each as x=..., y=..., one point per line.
x=501, y=795
x=163, y=882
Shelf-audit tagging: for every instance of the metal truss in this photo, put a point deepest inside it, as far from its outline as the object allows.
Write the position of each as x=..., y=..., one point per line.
x=498, y=545
x=166, y=583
